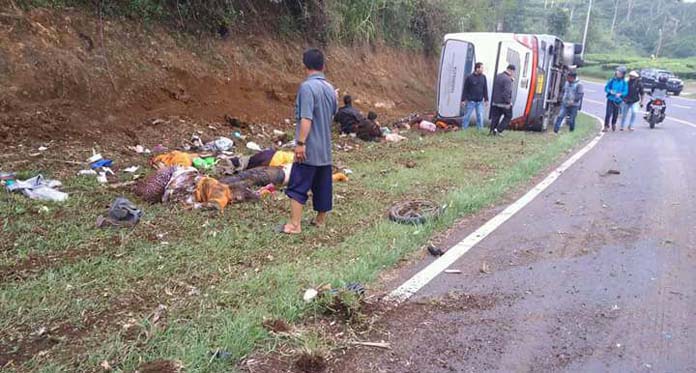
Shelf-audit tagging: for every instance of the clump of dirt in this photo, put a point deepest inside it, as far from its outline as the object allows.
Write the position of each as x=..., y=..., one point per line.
x=276, y=326
x=311, y=362
x=160, y=366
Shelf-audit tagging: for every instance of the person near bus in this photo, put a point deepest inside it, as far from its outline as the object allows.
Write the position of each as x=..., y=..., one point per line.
x=571, y=101
x=633, y=100
x=501, y=106
x=475, y=95
x=616, y=90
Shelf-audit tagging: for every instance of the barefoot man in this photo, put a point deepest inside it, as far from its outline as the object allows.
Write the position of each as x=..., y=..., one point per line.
x=315, y=107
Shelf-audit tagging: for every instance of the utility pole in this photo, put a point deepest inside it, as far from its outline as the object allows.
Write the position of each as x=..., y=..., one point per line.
x=587, y=26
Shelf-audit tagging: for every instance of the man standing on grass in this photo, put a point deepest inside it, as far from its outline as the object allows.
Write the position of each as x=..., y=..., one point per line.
x=315, y=107
x=570, y=103
x=475, y=95
x=616, y=89
x=502, y=101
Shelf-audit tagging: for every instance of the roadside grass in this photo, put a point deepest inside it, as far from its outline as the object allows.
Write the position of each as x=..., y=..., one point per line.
x=97, y=292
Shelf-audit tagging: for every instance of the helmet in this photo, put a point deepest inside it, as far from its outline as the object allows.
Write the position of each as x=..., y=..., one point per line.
x=634, y=74
x=621, y=70
x=573, y=73
x=663, y=78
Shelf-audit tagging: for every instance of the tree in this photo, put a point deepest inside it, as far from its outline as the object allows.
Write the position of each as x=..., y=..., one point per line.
x=558, y=22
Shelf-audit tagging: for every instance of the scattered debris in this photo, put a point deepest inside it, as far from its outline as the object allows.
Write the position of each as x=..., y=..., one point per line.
x=339, y=177
x=101, y=163
x=42, y=148
x=86, y=172
x=276, y=326
x=410, y=164
x=106, y=366
x=95, y=157
x=434, y=251
x=611, y=172
x=485, y=268
x=140, y=149
x=38, y=188
x=453, y=271
x=394, y=137
x=122, y=213
x=220, y=354
x=132, y=169
x=253, y=146
x=309, y=295
x=384, y=345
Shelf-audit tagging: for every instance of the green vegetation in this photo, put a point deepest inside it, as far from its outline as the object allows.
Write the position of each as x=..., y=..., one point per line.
x=603, y=65
x=97, y=292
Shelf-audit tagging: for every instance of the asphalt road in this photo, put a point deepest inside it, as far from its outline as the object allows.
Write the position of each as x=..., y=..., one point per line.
x=595, y=275
x=679, y=110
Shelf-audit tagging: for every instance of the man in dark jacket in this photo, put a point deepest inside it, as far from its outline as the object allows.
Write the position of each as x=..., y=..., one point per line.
x=633, y=100
x=348, y=117
x=474, y=96
x=502, y=101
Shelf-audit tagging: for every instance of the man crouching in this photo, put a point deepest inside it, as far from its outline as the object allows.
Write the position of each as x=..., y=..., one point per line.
x=315, y=107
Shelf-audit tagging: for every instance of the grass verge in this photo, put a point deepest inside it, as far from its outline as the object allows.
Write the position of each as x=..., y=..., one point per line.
x=183, y=284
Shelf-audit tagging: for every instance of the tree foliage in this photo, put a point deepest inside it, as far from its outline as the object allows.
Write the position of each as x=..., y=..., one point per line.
x=626, y=26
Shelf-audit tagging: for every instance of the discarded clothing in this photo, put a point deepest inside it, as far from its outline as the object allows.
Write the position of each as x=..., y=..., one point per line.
x=213, y=193
x=427, y=126
x=262, y=158
x=181, y=186
x=221, y=144
x=174, y=158
x=281, y=158
x=205, y=163
x=230, y=166
x=339, y=177
x=102, y=163
x=122, y=213
x=152, y=187
x=39, y=188
x=259, y=176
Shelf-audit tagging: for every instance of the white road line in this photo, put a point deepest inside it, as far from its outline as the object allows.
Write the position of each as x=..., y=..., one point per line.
x=681, y=106
x=591, y=90
x=681, y=121
x=427, y=274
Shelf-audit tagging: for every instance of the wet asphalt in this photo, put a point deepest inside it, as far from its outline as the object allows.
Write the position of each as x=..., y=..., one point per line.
x=598, y=274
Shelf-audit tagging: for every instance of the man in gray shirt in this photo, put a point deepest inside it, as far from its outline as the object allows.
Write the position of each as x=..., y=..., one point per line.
x=315, y=107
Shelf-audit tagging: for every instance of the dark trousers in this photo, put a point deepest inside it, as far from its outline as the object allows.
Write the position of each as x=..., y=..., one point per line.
x=612, y=115
x=498, y=112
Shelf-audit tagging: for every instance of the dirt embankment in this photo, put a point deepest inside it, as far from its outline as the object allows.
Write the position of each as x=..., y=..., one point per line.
x=71, y=76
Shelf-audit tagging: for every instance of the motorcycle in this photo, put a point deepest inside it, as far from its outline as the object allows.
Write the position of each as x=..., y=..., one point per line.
x=656, y=111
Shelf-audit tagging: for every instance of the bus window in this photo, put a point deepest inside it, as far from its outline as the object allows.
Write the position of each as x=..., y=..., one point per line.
x=542, y=55
x=526, y=65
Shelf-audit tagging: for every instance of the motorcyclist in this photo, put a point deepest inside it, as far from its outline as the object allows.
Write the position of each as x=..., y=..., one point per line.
x=659, y=91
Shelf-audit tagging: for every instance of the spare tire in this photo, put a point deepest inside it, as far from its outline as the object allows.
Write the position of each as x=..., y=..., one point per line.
x=414, y=211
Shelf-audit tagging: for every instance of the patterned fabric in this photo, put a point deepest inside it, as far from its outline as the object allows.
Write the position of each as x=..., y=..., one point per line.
x=213, y=193
x=181, y=186
x=152, y=187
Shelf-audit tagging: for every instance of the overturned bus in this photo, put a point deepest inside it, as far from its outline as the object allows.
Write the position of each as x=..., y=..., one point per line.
x=542, y=62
